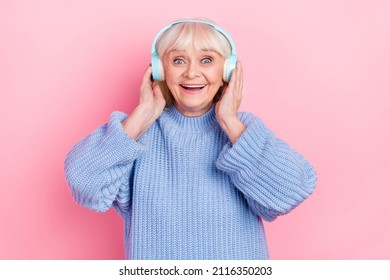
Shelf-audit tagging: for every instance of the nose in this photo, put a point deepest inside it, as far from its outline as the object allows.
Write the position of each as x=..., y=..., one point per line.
x=192, y=70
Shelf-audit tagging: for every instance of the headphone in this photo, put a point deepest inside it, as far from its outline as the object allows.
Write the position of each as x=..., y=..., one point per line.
x=157, y=66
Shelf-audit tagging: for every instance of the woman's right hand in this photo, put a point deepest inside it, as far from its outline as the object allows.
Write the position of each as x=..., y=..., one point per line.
x=151, y=104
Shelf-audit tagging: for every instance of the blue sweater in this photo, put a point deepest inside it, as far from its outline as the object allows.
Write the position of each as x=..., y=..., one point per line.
x=184, y=191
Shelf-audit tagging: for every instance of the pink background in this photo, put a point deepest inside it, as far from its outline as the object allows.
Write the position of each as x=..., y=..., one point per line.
x=317, y=72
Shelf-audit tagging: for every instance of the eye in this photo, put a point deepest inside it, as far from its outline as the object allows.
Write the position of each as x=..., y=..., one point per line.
x=178, y=61
x=206, y=60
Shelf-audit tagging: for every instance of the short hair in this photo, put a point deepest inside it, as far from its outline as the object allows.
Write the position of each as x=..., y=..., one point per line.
x=182, y=36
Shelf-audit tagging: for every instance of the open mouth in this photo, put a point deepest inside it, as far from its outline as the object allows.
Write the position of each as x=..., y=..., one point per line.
x=192, y=87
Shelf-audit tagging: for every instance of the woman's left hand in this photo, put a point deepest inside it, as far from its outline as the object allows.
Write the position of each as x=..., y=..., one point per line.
x=227, y=107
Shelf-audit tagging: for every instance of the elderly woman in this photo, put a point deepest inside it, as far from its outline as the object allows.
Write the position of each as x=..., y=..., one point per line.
x=191, y=176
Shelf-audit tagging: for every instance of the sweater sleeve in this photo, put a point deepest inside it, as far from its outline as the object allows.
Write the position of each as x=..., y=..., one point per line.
x=98, y=167
x=273, y=177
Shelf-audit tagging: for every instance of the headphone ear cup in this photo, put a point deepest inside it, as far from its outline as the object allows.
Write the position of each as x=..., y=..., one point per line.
x=225, y=75
x=157, y=68
x=161, y=68
x=230, y=64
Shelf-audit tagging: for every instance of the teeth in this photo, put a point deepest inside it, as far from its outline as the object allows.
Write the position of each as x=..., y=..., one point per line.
x=192, y=87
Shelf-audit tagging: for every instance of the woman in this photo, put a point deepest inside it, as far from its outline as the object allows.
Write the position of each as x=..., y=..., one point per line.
x=191, y=176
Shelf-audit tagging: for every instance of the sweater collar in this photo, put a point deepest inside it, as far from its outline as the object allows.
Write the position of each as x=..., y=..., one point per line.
x=179, y=121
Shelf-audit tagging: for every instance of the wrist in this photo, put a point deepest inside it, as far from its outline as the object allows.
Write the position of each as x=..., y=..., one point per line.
x=138, y=121
x=232, y=126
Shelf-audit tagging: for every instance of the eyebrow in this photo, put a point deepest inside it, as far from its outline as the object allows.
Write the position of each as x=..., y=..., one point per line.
x=201, y=50
x=208, y=50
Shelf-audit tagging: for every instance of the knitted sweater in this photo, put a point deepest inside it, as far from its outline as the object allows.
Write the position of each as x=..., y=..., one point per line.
x=184, y=191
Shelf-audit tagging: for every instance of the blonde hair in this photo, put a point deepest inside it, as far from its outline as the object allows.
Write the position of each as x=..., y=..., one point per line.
x=201, y=36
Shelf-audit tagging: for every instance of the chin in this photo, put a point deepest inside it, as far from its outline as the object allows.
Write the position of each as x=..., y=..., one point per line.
x=192, y=110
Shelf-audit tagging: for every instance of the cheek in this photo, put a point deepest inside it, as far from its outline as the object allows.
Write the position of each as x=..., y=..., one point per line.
x=171, y=74
x=217, y=74
x=169, y=77
x=168, y=70
x=216, y=78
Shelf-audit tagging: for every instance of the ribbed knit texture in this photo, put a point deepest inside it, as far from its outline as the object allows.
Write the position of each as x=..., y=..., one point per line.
x=184, y=191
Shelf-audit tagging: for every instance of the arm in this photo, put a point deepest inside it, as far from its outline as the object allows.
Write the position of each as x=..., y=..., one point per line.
x=273, y=177
x=98, y=167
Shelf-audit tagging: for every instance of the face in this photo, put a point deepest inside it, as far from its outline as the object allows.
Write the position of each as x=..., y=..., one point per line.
x=194, y=78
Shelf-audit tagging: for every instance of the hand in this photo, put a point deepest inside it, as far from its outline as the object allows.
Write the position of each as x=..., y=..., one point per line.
x=151, y=96
x=151, y=104
x=227, y=107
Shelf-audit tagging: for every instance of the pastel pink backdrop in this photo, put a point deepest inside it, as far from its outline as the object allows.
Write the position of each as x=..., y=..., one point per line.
x=317, y=72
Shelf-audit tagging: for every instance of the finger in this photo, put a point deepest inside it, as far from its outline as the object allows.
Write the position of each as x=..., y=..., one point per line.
x=146, y=79
x=157, y=90
x=159, y=97
x=234, y=86
x=146, y=85
x=232, y=82
x=240, y=81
